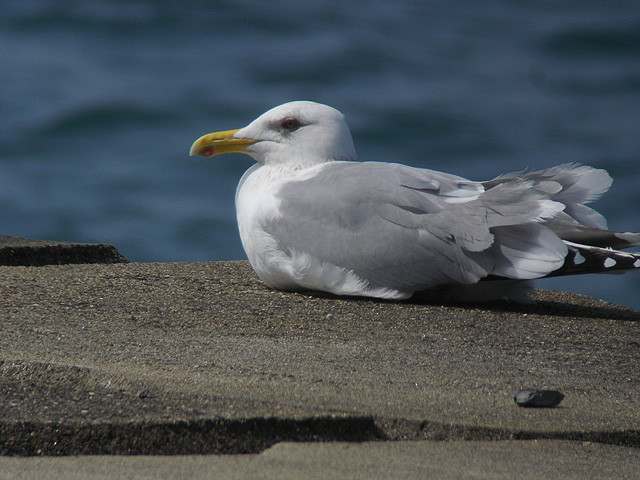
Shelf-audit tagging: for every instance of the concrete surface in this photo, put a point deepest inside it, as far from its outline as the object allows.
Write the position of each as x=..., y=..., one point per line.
x=507, y=460
x=201, y=358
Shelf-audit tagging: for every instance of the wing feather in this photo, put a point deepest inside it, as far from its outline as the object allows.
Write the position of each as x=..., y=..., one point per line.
x=409, y=229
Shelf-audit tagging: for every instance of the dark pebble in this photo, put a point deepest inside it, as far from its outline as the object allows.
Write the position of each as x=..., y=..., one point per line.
x=144, y=394
x=538, y=398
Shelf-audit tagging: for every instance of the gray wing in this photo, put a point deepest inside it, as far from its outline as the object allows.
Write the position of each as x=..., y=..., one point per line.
x=410, y=229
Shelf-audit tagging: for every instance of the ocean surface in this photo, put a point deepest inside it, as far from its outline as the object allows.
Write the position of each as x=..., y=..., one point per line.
x=100, y=102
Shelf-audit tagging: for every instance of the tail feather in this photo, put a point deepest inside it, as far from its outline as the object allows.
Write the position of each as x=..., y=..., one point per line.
x=582, y=259
x=571, y=185
x=595, y=237
x=590, y=246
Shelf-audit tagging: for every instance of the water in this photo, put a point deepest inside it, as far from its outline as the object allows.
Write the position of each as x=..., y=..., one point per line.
x=100, y=102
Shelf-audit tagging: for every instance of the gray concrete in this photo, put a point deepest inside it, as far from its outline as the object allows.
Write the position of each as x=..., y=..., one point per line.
x=508, y=460
x=200, y=358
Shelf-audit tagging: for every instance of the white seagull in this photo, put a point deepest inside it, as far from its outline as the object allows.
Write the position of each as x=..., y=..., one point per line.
x=313, y=218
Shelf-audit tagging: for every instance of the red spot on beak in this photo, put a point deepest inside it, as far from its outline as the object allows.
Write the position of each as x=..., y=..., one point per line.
x=207, y=152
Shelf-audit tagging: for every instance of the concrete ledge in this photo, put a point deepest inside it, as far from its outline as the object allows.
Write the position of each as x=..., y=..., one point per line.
x=203, y=358
x=17, y=251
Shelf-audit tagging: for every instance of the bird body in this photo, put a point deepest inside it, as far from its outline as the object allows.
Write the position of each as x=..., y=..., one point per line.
x=312, y=217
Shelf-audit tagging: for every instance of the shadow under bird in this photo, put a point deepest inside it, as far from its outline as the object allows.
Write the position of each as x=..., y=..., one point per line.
x=312, y=217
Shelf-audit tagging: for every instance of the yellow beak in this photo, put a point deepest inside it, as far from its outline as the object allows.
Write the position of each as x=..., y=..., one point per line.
x=220, y=142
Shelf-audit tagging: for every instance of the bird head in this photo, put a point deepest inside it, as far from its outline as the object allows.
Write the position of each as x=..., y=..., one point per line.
x=297, y=134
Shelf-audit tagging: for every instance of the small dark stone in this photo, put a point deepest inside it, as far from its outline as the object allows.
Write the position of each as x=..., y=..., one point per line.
x=538, y=398
x=144, y=394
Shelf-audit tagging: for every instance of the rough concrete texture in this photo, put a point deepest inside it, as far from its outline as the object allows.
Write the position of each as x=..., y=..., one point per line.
x=201, y=358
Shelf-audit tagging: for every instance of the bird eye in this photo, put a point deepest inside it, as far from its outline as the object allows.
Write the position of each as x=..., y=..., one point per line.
x=290, y=124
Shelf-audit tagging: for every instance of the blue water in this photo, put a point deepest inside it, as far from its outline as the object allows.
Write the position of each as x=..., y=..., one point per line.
x=100, y=102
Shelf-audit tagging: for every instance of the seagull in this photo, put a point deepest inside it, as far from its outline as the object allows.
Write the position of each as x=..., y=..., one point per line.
x=313, y=218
